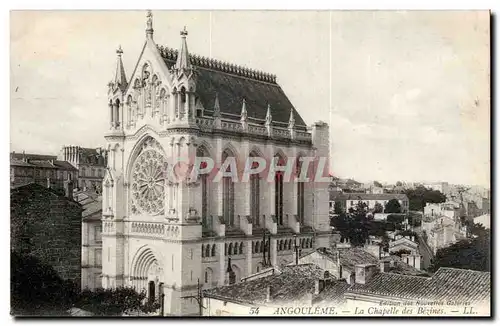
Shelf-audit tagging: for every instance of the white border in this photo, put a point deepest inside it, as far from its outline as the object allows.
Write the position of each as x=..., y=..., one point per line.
x=185, y=4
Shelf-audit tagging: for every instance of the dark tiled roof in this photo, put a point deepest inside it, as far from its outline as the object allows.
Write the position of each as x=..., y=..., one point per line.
x=64, y=165
x=333, y=292
x=19, y=162
x=42, y=164
x=293, y=283
x=232, y=84
x=350, y=257
x=362, y=196
x=92, y=208
x=40, y=157
x=445, y=284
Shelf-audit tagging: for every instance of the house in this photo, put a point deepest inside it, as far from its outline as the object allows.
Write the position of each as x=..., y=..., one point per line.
x=442, y=231
x=91, y=238
x=449, y=209
x=351, y=200
x=47, y=225
x=447, y=291
x=91, y=165
x=45, y=170
x=304, y=285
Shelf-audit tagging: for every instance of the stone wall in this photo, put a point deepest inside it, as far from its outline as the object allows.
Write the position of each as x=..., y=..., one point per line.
x=48, y=226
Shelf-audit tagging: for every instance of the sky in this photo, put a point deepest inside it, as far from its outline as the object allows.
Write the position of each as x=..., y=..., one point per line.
x=406, y=94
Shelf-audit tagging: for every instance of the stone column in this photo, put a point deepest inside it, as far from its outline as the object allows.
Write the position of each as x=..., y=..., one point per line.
x=222, y=264
x=249, y=257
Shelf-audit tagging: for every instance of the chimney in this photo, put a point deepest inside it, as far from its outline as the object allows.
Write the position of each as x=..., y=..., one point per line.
x=364, y=272
x=268, y=294
x=384, y=266
x=319, y=285
x=68, y=189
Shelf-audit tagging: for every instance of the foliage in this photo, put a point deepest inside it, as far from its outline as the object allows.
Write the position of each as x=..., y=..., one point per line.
x=115, y=302
x=337, y=208
x=393, y=206
x=377, y=184
x=385, y=242
x=401, y=252
x=473, y=253
x=421, y=195
x=378, y=208
x=36, y=287
x=353, y=225
x=399, y=183
x=395, y=218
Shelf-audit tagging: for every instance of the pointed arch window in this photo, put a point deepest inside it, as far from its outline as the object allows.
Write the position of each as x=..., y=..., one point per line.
x=183, y=95
x=255, y=195
x=278, y=192
x=117, y=112
x=206, y=222
x=228, y=194
x=300, y=194
x=129, y=109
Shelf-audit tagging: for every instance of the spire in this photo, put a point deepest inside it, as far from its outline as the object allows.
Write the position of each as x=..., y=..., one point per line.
x=216, y=106
x=149, y=24
x=291, y=122
x=244, y=111
x=244, y=116
x=183, y=57
x=269, y=117
x=120, y=80
x=269, y=120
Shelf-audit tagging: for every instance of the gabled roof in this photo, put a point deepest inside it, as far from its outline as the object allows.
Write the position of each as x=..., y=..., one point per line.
x=41, y=157
x=232, y=84
x=446, y=284
x=293, y=283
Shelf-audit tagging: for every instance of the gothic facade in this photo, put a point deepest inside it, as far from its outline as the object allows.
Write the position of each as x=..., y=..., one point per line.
x=169, y=236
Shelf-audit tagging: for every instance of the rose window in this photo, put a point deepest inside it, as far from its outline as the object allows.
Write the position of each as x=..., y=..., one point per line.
x=148, y=183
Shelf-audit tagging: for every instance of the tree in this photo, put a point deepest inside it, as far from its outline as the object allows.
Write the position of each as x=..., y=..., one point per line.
x=359, y=230
x=353, y=225
x=399, y=183
x=115, y=302
x=378, y=208
x=37, y=289
x=337, y=208
x=473, y=253
x=419, y=196
x=377, y=184
x=393, y=206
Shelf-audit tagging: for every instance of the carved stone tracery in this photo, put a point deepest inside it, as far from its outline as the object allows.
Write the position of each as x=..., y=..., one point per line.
x=149, y=179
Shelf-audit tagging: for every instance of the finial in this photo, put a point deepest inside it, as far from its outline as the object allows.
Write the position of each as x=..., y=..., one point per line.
x=244, y=111
x=216, y=106
x=269, y=117
x=119, y=51
x=149, y=23
x=184, y=32
x=291, y=122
